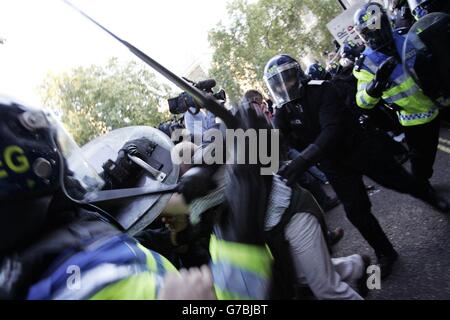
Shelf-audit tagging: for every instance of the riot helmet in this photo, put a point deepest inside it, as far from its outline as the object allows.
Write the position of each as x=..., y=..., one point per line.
x=317, y=72
x=373, y=26
x=351, y=50
x=33, y=166
x=420, y=8
x=35, y=148
x=284, y=78
x=426, y=55
x=334, y=68
x=39, y=159
x=392, y=5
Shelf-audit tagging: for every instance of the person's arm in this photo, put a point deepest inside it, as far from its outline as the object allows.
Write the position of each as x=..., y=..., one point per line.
x=193, y=122
x=332, y=122
x=210, y=120
x=371, y=86
x=280, y=123
x=363, y=99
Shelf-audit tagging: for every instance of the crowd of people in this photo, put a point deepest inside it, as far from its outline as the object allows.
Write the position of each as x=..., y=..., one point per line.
x=227, y=231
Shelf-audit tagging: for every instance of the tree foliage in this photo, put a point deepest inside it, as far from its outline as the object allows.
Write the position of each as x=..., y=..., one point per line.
x=259, y=30
x=93, y=100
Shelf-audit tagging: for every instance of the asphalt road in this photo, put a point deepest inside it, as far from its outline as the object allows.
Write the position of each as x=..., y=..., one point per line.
x=420, y=234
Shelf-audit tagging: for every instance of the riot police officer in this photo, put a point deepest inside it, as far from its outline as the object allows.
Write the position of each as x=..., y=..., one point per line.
x=400, y=15
x=312, y=119
x=381, y=76
x=55, y=244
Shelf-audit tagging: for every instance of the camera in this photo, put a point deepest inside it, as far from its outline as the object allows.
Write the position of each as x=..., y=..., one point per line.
x=169, y=126
x=184, y=102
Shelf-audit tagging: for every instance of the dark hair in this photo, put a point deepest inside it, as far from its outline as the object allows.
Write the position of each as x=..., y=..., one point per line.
x=251, y=94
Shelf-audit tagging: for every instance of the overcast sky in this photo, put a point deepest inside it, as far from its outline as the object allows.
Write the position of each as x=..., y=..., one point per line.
x=48, y=36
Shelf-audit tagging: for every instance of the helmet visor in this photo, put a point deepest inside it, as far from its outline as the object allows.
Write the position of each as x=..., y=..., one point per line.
x=284, y=82
x=79, y=176
x=376, y=31
x=413, y=4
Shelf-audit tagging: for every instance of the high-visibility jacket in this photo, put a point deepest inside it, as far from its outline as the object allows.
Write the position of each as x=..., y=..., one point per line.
x=118, y=267
x=415, y=107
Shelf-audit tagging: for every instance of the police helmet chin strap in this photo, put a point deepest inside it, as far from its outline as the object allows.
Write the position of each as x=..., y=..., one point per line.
x=110, y=195
x=117, y=194
x=102, y=214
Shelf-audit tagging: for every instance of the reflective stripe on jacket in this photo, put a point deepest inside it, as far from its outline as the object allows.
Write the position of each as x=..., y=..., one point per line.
x=415, y=107
x=115, y=267
x=118, y=267
x=240, y=271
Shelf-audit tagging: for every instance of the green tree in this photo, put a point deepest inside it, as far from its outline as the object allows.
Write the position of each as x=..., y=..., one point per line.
x=97, y=99
x=257, y=31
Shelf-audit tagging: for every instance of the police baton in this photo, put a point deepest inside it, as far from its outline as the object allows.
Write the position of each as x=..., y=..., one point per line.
x=207, y=101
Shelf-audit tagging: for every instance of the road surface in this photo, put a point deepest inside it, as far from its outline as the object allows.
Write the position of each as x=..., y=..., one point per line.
x=420, y=234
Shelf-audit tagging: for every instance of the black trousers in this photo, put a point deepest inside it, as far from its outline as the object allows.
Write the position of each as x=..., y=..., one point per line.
x=370, y=158
x=445, y=115
x=423, y=141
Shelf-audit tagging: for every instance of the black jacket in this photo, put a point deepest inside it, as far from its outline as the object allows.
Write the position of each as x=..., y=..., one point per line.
x=319, y=118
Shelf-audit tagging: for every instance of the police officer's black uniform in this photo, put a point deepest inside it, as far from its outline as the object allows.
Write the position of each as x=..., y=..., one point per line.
x=320, y=124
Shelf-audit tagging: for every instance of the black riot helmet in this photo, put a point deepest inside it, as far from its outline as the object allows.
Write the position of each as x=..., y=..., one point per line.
x=33, y=151
x=373, y=26
x=317, y=72
x=284, y=78
x=420, y=8
x=39, y=159
x=34, y=147
x=392, y=5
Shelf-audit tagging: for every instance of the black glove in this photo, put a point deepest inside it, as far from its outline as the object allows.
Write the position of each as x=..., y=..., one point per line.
x=117, y=173
x=197, y=182
x=247, y=191
x=376, y=87
x=294, y=169
x=141, y=148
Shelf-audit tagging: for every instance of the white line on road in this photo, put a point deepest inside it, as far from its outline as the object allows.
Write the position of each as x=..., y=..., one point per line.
x=444, y=141
x=444, y=148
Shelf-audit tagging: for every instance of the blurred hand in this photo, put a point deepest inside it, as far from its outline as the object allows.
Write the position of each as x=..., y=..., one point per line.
x=141, y=148
x=385, y=70
x=293, y=170
x=197, y=182
x=376, y=87
x=176, y=224
x=117, y=174
x=192, y=284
